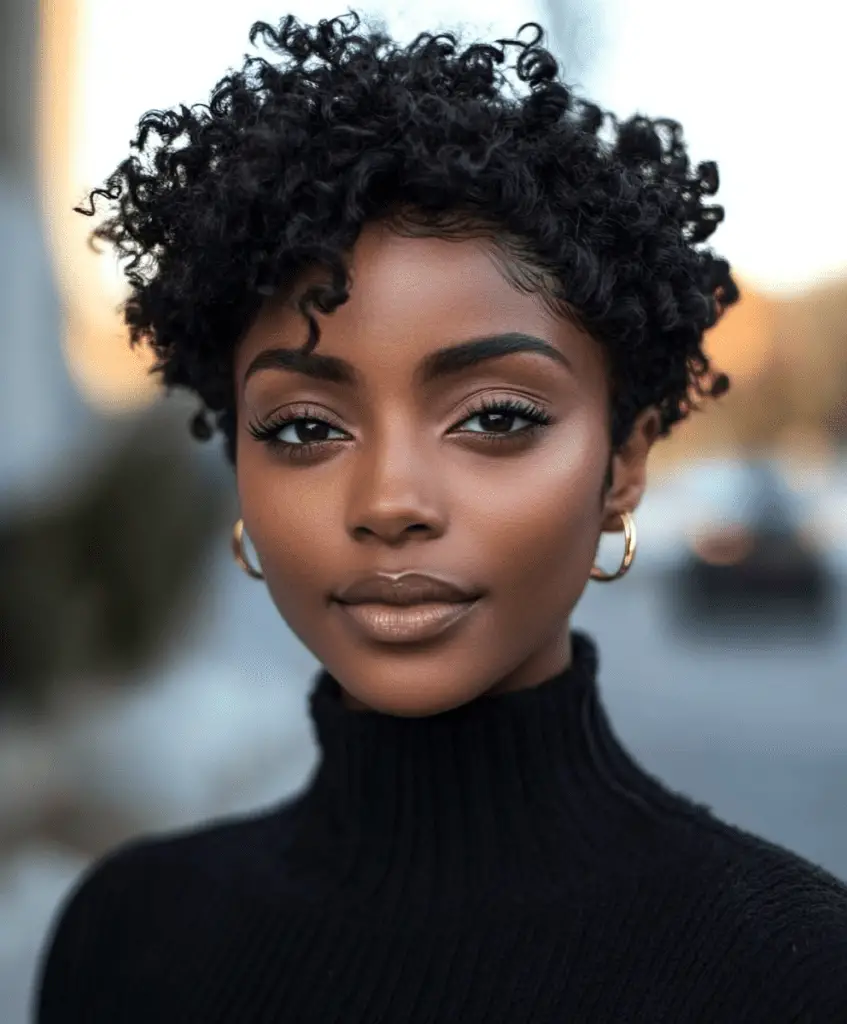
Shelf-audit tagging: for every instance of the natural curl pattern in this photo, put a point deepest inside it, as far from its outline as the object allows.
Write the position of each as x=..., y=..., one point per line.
x=228, y=203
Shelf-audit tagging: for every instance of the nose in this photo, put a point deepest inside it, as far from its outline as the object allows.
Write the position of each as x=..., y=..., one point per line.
x=395, y=494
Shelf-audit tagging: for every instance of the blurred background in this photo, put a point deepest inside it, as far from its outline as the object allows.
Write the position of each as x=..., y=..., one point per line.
x=146, y=684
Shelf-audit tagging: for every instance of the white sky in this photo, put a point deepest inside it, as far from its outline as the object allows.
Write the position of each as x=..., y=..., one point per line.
x=758, y=90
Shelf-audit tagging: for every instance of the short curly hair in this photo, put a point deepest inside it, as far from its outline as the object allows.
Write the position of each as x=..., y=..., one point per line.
x=229, y=203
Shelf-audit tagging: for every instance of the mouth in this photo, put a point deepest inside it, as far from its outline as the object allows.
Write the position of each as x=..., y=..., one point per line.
x=405, y=607
x=403, y=624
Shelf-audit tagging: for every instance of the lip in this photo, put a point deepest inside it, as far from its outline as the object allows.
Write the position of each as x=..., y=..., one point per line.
x=404, y=589
x=410, y=623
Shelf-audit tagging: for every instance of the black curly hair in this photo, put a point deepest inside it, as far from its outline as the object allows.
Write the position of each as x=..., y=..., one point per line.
x=228, y=203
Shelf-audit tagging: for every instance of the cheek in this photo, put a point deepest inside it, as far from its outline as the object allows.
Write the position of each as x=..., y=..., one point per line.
x=539, y=518
x=291, y=519
x=553, y=489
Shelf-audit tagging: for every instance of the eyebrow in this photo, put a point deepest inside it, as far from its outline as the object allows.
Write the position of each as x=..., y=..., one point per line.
x=444, y=362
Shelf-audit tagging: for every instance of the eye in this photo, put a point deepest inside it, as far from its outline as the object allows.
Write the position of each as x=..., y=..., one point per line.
x=504, y=417
x=297, y=433
x=496, y=422
x=306, y=431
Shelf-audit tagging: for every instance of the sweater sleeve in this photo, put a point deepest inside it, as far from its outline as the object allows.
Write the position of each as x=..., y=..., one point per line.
x=810, y=987
x=802, y=956
x=72, y=986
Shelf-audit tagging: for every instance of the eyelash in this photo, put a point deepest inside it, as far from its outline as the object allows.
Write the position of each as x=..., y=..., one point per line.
x=267, y=431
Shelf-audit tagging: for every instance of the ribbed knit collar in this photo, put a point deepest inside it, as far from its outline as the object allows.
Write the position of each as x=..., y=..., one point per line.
x=512, y=790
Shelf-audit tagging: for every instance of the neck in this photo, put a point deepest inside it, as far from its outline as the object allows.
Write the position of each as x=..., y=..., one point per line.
x=509, y=792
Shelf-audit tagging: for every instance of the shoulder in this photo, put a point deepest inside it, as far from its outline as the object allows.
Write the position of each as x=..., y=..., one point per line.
x=780, y=886
x=148, y=888
x=200, y=856
x=786, y=919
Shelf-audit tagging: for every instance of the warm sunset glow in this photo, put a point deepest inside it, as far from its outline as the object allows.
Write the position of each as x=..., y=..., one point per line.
x=743, y=340
x=108, y=373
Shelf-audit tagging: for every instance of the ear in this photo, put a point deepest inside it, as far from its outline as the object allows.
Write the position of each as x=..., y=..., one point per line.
x=629, y=471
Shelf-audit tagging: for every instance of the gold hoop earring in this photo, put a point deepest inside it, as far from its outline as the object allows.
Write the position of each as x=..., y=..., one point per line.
x=238, y=551
x=630, y=542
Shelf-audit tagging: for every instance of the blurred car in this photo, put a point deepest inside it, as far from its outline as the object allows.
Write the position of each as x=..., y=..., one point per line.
x=749, y=552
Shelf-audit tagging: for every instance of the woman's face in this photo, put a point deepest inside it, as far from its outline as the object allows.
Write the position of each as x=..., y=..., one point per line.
x=394, y=451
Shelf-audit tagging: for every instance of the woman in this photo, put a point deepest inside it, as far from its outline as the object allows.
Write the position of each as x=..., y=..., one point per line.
x=440, y=315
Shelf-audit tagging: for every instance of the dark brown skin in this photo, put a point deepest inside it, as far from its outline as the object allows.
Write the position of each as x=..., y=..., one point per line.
x=408, y=478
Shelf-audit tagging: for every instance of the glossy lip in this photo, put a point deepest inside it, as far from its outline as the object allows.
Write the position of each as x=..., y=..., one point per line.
x=404, y=607
x=404, y=588
x=411, y=623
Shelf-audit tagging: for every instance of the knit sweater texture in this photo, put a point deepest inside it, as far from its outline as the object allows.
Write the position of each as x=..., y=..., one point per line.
x=507, y=861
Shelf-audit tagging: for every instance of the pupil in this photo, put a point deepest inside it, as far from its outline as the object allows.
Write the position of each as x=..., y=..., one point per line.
x=310, y=430
x=496, y=422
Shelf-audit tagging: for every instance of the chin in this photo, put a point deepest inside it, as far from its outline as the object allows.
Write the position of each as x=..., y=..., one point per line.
x=411, y=691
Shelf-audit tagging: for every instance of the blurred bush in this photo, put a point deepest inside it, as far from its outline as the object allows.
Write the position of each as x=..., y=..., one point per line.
x=99, y=585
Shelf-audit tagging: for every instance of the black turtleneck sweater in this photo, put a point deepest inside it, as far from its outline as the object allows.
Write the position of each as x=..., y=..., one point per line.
x=504, y=862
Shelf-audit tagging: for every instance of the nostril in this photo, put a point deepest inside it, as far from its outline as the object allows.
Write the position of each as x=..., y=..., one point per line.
x=393, y=533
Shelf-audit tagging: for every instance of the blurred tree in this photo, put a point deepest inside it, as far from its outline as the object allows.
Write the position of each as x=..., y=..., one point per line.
x=18, y=22
x=100, y=585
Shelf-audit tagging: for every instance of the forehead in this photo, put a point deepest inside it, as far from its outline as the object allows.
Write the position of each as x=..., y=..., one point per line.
x=408, y=295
